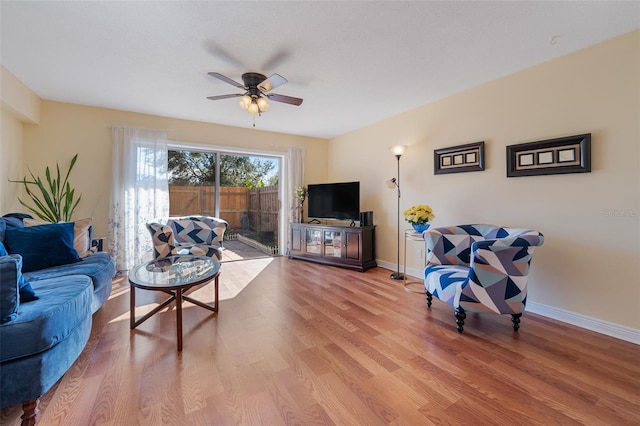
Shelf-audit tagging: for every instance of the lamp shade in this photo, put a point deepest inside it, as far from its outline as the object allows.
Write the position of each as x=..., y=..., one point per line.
x=244, y=102
x=398, y=149
x=253, y=108
x=263, y=104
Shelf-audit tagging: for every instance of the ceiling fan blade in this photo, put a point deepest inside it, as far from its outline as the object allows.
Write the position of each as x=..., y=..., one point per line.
x=215, y=98
x=226, y=79
x=276, y=80
x=276, y=60
x=285, y=99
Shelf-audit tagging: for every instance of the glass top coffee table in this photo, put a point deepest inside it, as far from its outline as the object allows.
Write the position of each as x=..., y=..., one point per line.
x=173, y=275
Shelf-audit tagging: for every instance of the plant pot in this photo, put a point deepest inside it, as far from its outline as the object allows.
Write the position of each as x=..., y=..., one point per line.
x=420, y=228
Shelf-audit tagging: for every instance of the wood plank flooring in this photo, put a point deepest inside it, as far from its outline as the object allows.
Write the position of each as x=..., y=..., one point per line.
x=307, y=344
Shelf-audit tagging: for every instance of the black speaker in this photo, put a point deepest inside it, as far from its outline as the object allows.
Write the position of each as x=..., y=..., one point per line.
x=366, y=218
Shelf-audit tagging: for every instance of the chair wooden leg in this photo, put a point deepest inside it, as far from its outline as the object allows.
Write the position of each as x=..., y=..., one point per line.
x=515, y=319
x=30, y=412
x=429, y=298
x=460, y=316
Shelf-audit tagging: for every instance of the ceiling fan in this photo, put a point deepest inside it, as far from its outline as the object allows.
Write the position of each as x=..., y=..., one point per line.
x=256, y=96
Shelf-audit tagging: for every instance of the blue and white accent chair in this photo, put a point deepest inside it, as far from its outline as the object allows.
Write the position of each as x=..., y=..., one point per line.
x=194, y=235
x=480, y=268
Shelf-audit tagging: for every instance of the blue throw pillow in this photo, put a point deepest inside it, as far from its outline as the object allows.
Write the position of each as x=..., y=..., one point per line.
x=9, y=300
x=42, y=246
x=12, y=222
x=3, y=227
x=27, y=294
x=19, y=215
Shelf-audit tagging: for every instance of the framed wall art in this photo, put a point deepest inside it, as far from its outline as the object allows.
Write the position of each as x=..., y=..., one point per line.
x=461, y=158
x=571, y=154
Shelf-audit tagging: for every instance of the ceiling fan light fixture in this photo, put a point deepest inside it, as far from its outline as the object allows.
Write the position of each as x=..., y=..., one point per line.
x=253, y=108
x=263, y=104
x=255, y=100
x=244, y=102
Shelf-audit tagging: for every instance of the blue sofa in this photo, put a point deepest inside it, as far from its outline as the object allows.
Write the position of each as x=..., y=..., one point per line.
x=46, y=313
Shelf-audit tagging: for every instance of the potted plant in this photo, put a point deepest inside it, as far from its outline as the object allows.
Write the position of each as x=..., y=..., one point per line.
x=53, y=199
x=419, y=217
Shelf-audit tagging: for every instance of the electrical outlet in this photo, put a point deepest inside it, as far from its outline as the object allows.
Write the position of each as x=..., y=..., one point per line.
x=419, y=253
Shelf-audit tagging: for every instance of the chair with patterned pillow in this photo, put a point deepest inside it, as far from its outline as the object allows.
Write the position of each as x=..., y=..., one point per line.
x=480, y=268
x=195, y=235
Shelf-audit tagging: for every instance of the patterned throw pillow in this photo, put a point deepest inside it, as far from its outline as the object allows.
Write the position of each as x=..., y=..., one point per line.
x=188, y=230
x=162, y=237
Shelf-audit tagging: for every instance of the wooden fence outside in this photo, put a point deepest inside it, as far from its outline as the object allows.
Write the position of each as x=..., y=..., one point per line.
x=246, y=209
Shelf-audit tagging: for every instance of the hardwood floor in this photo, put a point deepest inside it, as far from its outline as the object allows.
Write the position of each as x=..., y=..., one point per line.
x=306, y=344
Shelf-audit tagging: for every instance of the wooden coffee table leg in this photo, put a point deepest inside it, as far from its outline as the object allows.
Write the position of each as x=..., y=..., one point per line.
x=215, y=285
x=132, y=299
x=179, y=317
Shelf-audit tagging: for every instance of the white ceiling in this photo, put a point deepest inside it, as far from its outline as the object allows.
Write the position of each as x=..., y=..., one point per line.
x=354, y=63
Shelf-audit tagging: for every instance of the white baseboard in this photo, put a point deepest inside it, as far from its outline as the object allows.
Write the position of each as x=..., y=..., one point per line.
x=594, y=324
x=390, y=266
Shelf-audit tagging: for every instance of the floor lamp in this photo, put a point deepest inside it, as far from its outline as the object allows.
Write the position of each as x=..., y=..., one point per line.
x=395, y=183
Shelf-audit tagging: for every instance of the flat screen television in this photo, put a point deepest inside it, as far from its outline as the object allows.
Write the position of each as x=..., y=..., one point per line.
x=334, y=201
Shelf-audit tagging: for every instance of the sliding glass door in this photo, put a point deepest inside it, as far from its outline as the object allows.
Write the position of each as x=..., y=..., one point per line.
x=192, y=183
x=241, y=188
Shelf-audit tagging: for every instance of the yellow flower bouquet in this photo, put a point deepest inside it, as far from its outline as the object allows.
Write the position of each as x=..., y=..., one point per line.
x=419, y=216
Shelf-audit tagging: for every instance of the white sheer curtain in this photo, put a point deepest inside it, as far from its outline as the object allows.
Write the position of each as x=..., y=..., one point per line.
x=295, y=177
x=139, y=192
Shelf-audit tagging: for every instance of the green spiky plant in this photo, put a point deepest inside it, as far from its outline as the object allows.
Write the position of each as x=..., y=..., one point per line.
x=54, y=199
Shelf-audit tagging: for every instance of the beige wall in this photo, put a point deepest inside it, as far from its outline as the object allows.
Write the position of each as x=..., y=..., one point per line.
x=66, y=129
x=589, y=264
x=10, y=162
x=18, y=99
x=18, y=105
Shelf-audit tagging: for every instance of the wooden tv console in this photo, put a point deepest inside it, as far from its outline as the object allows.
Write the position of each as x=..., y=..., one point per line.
x=351, y=247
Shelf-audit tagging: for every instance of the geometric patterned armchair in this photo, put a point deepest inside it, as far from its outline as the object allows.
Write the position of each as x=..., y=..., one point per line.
x=195, y=235
x=479, y=268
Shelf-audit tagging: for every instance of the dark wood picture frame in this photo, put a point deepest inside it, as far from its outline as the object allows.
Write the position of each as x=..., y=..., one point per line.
x=571, y=154
x=460, y=158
